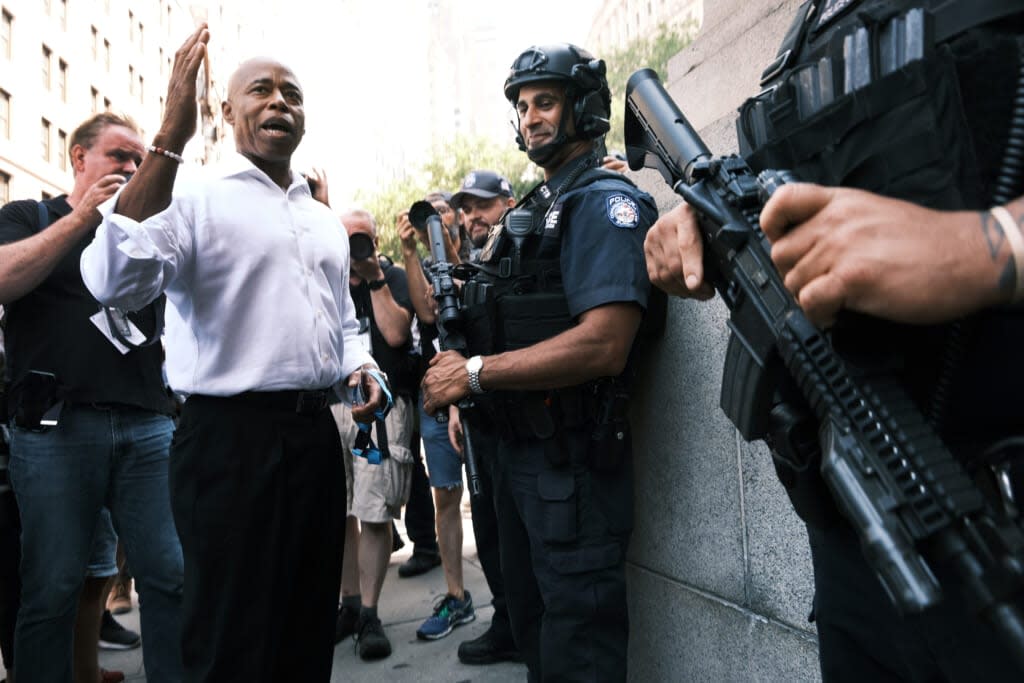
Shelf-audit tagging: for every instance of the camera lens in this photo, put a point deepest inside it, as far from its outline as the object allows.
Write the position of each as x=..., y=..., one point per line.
x=360, y=246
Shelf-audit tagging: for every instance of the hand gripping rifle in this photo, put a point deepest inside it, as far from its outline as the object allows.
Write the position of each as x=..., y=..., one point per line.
x=451, y=335
x=912, y=504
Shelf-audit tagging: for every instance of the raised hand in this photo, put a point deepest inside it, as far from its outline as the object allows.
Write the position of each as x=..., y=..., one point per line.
x=181, y=110
x=317, y=179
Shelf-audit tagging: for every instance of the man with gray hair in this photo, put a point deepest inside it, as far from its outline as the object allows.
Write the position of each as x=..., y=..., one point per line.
x=378, y=476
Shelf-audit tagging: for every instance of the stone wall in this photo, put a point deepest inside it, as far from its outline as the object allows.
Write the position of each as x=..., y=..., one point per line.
x=719, y=567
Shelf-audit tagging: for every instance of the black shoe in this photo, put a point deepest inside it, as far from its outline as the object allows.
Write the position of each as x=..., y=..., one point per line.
x=345, y=626
x=489, y=649
x=114, y=636
x=418, y=564
x=371, y=643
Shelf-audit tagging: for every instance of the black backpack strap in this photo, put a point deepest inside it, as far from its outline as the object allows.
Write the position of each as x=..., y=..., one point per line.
x=44, y=216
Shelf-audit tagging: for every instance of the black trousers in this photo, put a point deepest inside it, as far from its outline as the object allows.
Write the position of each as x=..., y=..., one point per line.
x=861, y=637
x=10, y=579
x=258, y=495
x=563, y=533
x=485, y=531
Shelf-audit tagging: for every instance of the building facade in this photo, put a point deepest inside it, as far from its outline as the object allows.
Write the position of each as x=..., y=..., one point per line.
x=620, y=22
x=64, y=60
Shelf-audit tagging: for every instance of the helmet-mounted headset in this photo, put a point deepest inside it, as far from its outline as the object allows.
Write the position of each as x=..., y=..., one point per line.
x=585, y=85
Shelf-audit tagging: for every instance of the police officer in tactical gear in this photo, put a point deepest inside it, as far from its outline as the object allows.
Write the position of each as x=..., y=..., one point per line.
x=552, y=319
x=909, y=117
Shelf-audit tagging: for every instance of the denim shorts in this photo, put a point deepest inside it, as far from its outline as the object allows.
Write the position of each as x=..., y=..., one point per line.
x=444, y=465
x=103, y=556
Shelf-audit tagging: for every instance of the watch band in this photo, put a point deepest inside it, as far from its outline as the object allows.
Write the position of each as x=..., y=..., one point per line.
x=473, y=367
x=377, y=284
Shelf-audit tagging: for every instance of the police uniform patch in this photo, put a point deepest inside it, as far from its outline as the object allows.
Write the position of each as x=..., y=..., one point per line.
x=623, y=211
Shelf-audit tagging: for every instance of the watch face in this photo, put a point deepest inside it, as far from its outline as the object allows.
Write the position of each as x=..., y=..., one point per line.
x=474, y=364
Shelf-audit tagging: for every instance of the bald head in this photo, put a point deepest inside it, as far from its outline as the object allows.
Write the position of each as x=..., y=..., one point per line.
x=358, y=220
x=250, y=69
x=265, y=110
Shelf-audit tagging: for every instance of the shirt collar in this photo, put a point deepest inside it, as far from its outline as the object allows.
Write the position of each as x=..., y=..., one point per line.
x=236, y=164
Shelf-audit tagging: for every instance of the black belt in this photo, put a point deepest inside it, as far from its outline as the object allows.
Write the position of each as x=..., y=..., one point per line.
x=302, y=402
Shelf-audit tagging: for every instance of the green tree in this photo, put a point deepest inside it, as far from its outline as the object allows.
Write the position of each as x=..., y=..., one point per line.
x=447, y=164
x=652, y=52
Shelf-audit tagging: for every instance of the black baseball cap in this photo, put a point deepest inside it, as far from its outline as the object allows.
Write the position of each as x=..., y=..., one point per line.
x=484, y=184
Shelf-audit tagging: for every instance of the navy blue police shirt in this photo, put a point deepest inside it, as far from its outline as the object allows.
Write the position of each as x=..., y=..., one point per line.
x=597, y=232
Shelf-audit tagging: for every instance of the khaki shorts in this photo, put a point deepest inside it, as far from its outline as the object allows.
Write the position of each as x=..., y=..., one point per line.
x=376, y=493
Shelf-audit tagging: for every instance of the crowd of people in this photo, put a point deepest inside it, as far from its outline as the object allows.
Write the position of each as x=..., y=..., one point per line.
x=218, y=372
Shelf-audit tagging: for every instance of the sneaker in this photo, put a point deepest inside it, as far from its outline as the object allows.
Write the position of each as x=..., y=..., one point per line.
x=371, y=643
x=489, y=648
x=449, y=612
x=418, y=564
x=345, y=626
x=120, y=599
x=114, y=636
x=111, y=676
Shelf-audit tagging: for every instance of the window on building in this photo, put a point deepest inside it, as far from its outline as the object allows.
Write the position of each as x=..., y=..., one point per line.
x=47, y=58
x=142, y=90
x=131, y=27
x=45, y=196
x=6, y=22
x=106, y=104
x=44, y=140
x=5, y=188
x=142, y=37
x=48, y=6
x=106, y=54
x=161, y=60
x=131, y=80
x=96, y=101
x=62, y=13
x=106, y=6
x=95, y=43
x=62, y=150
x=161, y=107
x=62, y=80
x=5, y=115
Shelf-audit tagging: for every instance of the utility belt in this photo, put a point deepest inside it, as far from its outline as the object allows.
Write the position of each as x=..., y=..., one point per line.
x=596, y=409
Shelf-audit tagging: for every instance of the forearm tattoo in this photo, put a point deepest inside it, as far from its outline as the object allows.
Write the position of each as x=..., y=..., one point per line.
x=995, y=239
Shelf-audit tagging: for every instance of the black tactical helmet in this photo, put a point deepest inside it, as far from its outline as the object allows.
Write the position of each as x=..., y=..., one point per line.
x=583, y=76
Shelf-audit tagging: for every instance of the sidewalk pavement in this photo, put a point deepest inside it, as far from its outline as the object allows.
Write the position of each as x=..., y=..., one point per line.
x=404, y=604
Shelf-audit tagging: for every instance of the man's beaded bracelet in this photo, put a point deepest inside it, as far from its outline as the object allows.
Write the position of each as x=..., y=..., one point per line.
x=167, y=153
x=1015, y=238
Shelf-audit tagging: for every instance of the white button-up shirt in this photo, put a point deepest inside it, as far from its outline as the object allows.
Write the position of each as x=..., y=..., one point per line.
x=257, y=279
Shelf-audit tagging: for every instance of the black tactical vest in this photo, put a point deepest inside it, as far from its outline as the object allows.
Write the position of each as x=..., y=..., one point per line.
x=911, y=102
x=516, y=301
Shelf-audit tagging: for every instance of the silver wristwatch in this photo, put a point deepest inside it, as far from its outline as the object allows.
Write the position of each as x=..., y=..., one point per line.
x=473, y=366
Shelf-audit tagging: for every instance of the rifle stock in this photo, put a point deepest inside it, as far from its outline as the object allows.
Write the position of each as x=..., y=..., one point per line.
x=910, y=501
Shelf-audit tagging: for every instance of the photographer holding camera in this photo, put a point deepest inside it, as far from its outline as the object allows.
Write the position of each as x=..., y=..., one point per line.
x=109, y=432
x=377, y=487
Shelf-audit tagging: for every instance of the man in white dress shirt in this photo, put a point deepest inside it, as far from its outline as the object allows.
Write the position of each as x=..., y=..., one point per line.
x=260, y=329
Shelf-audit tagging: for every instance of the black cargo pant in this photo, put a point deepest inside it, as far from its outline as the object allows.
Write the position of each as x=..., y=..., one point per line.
x=563, y=532
x=487, y=534
x=258, y=496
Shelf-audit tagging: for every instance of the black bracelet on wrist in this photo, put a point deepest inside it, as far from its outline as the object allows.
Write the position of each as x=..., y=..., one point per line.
x=376, y=284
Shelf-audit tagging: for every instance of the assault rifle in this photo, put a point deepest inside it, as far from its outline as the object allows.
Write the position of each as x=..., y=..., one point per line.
x=914, y=508
x=451, y=335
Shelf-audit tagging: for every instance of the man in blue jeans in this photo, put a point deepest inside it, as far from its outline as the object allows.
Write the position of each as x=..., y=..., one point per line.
x=109, y=446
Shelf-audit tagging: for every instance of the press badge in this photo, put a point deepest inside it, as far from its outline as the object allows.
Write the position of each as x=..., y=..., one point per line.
x=126, y=328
